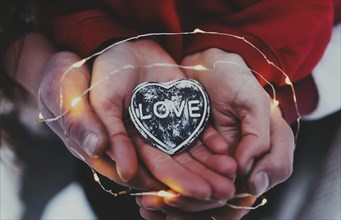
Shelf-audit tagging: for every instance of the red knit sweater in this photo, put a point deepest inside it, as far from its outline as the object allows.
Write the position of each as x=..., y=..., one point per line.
x=292, y=34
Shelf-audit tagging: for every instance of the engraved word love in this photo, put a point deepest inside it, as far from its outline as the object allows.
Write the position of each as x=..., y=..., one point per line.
x=170, y=116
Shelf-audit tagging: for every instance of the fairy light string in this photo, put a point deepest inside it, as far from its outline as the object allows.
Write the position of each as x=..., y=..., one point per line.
x=198, y=67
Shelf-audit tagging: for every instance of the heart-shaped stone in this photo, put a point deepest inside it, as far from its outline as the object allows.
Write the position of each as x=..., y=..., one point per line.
x=170, y=116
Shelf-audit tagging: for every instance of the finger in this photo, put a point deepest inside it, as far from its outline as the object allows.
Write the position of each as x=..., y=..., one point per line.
x=193, y=205
x=222, y=187
x=152, y=215
x=101, y=164
x=221, y=164
x=255, y=134
x=226, y=212
x=109, y=100
x=121, y=149
x=180, y=202
x=106, y=167
x=80, y=123
x=171, y=173
x=214, y=141
x=276, y=166
x=152, y=202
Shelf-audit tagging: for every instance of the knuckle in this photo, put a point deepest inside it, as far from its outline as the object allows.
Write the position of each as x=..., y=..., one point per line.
x=183, y=158
x=283, y=169
x=198, y=151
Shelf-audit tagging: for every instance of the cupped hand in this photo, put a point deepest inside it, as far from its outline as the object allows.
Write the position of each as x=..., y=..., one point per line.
x=259, y=138
x=196, y=172
x=94, y=129
x=80, y=122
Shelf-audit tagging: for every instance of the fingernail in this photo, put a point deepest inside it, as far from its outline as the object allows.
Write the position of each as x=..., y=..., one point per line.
x=123, y=176
x=261, y=183
x=90, y=142
x=151, y=208
x=248, y=167
x=171, y=203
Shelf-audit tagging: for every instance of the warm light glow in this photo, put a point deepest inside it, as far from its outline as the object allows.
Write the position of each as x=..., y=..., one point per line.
x=75, y=101
x=163, y=193
x=199, y=67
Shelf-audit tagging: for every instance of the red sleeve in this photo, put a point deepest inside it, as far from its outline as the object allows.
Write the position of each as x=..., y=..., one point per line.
x=86, y=31
x=292, y=34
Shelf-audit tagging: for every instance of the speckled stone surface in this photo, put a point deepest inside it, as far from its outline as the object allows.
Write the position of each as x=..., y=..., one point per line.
x=170, y=116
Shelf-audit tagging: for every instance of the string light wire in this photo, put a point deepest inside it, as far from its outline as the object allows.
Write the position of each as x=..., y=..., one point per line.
x=198, y=67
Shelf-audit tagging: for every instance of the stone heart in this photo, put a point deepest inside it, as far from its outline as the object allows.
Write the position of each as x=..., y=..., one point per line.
x=171, y=115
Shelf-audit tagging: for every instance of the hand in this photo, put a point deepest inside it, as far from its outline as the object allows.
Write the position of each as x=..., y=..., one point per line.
x=191, y=173
x=259, y=138
x=81, y=119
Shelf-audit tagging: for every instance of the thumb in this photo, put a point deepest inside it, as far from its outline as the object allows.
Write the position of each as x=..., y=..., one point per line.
x=79, y=122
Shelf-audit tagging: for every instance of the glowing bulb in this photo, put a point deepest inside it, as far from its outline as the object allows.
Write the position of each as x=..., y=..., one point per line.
x=75, y=101
x=275, y=103
x=288, y=81
x=163, y=193
x=264, y=201
x=197, y=30
x=96, y=178
x=40, y=118
x=199, y=67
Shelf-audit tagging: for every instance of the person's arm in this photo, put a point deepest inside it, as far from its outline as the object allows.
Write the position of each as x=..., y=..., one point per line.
x=25, y=59
x=293, y=35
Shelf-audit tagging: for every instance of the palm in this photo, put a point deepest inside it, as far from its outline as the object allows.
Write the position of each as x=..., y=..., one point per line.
x=237, y=98
x=112, y=90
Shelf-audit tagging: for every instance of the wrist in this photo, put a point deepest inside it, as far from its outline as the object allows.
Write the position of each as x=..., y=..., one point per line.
x=25, y=59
